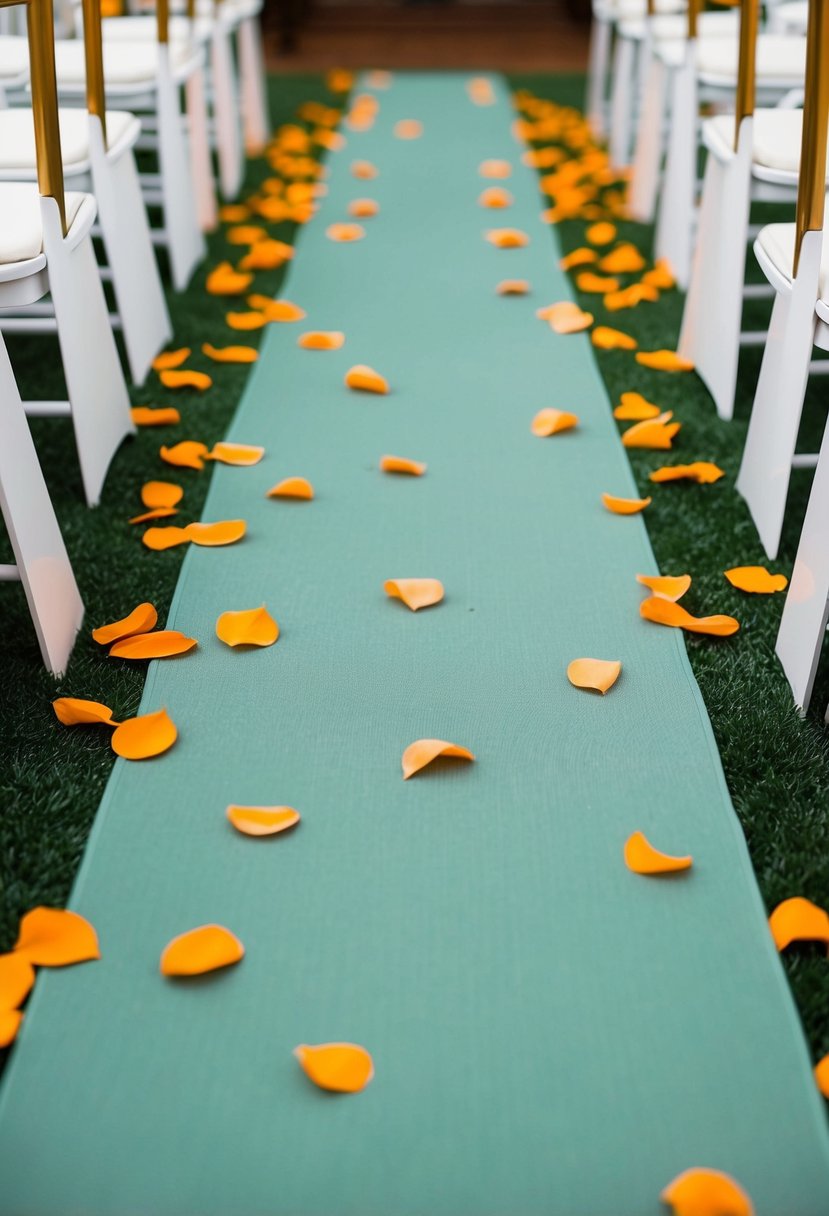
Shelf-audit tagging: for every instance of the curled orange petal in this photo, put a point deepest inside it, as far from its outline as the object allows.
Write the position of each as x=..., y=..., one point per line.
x=496, y=197
x=16, y=979
x=159, y=539
x=660, y=276
x=363, y=208
x=666, y=586
x=321, y=340
x=704, y=1192
x=157, y=513
x=277, y=310
x=663, y=612
x=701, y=471
x=10, y=1022
x=655, y=433
x=343, y=1068
x=186, y=379
x=408, y=128
x=400, y=464
x=363, y=169
x=423, y=751
x=415, y=592
x=292, y=487
x=75, y=711
x=565, y=317
x=143, y=415
x=262, y=820
x=595, y=284
x=366, y=379
x=578, y=257
x=161, y=494
x=625, y=506
x=664, y=361
x=634, y=408
x=507, y=238
x=551, y=421
x=624, y=259
x=225, y=281
x=141, y=620
x=345, y=232
x=612, y=339
x=756, y=579
x=248, y=627
x=56, y=937
x=265, y=255
x=159, y=645
x=145, y=736
x=643, y=858
x=200, y=950
x=247, y=320
x=230, y=354
x=189, y=454
x=597, y=675
x=513, y=287
x=822, y=1076
x=798, y=920
x=629, y=297
x=601, y=233
x=224, y=532
x=170, y=359
x=498, y=169
x=243, y=454
x=245, y=234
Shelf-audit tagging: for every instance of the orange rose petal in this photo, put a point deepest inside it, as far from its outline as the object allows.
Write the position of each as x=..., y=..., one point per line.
x=363, y=208
x=249, y=627
x=159, y=645
x=596, y=675
x=663, y=612
x=415, y=592
x=666, y=586
x=551, y=421
x=660, y=276
x=233, y=213
x=643, y=858
x=186, y=379
x=624, y=259
x=276, y=310
x=145, y=736
x=498, y=169
x=141, y=620
x=156, y=513
x=565, y=317
x=612, y=339
x=365, y=379
x=822, y=1076
x=170, y=359
x=321, y=340
x=56, y=937
x=292, y=487
x=224, y=532
x=363, y=169
x=265, y=255
x=543, y=158
x=756, y=579
x=75, y=711
x=161, y=494
x=230, y=354
x=578, y=257
x=242, y=454
x=798, y=920
x=400, y=464
x=343, y=1068
x=495, y=197
x=10, y=1022
x=245, y=234
x=201, y=950
x=634, y=408
x=701, y=471
x=625, y=506
x=513, y=287
x=186, y=455
x=595, y=284
x=423, y=751
x=345, y=232
x=507, y=238
x=142, y=415
x=629, y=297
x=408, y=128
x=159, y=539
x=16, y=979
x=262, y=820
x=601, y=233
x=704, y=1192
x=664, y=361
x=247, y=320
x=656, y=434
x=225, y=281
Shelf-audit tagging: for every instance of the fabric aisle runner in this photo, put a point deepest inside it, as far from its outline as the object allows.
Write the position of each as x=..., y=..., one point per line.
x=551, y=1033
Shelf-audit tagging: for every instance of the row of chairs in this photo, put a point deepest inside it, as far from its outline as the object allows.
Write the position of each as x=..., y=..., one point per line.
x=665, y=84
x=56, y=127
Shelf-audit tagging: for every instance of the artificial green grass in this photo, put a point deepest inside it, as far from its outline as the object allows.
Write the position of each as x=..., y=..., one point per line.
x=777, y=766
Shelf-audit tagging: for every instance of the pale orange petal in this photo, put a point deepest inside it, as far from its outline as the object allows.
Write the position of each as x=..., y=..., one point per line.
x=363, y=208
x=345, y=232
x=248, y=320
x=143, y=415
x=161, y=494
x=170, y=359
x=596, y=675
x=233, y=213
x=578, y=257
x=366, y=379
x=56, y=937
x=415, y=592
x=660, y=276
x=629, y=297
x=242, y=454
x=704, y=1192
x=634, y=408
x=513, y=287
x=400, y=464
x=408, y=128
x=423, y=751
x=225, y=281
x=200, y=950
x=552, y=421
x=16, y=979
x=565, y=317
x=248, y=627
x=756, y=579
x=75, y=711
x=186, y=379
x=141, y=620
x=822, y=1076
x=157, y=513
x=276, y=310
x=701, y=471
x=664, y=361
x=10, y=1022
x=643, y=858
x=601, y=233
x=624, y=259
x=144, y=736
x=507, y=238
x=498, y=169
x=262, y=820
x=364, y=170
x=292, y=487
x=595, y=284
x=663, y=612
x=798, y=920
x=656, y=433
x=159, y=539
x=245, y=234
x=224, y=532
x=343, y=1068
x=625, y=506
x=495, y=197
x=265, y=255
x=186, y=455
x=667, y=587
x=321, y=340
x=612, y=339
x=159, y=645
x=230, y=354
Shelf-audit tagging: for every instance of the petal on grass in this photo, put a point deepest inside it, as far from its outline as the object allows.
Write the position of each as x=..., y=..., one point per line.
x=656, y=433
x=75, y=711
x=415, y=592
x=624, y=259
x=141, y=620
x=248, y=321
x=423, y=751
x=551, y=422
x=266, y=255
x=664, y=612
x=143, y=415
x=170, y=359
x=601, y=233
x=578, y=257
x=595, y=675
x=607, y=338
x=161, y=494
x=798, y=920
x=262, y=820
x=595, y=284
x=156, y=513
x=186, y=379
x=701, y=471
x=822, y=1076
x=642, y=858
x=56, y=937
x=159, y=539
x=292, y=487
x=248, y=627
x=667, y=587
x=664, y=361
x=207, y=948
x=634, y=408
x=145, y=736
x=230, y=354
x=704, y=1192
x=342, y=1068
x=625, y=506
x=189, y=454
x=162, y=644
x=756, y=579
x=223, y=280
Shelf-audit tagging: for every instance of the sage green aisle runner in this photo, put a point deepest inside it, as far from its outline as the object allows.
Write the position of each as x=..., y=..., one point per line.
x=552, y=1034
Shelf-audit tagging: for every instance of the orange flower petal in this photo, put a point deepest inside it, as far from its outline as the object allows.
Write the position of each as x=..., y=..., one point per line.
x=629, y=297
x=10, y=1022
x=343, y=1068
x=225, y=281
x=186, y=455
x=363, y=208
x=634, y=408
x=664, y=361
x=656, y=433
x=595, y=284
x=363, y=169
x=159, y=539
x=597, y=675
x=578, y=257
x=345, y=232
x=513, y=287
x=415, y=592
x=237, y=453
x=201, y=950
x=756, y=579
x=423, y=751
x=507, y=238
x=660, y=276
x=663, y=612
x=292, y=487
x=665, y=586
x=551, y=421
x=366, y=379
x=142, y=415
x=161, y=494
x=262, y=820
x=225, y=532
x=543, y=158
x=230, y=354
x=703, y=1192
x=16, y=979
x=701, y=471
x=321, y=340
x=247, y=320
x=276, y=310
x=186, y=379
x=233, y=213
x=408, y=128
x=643, y=858
x=612, y=339
x=625, y=506
x=624, y=259
x=498, y=169
x=565, y=317
x=145, y=736
x=798, y=920
x=265, y=255
x=249, y=627
x=141, y=620
x=822, y=1076
x=245, y=234
x=601, y=233
x=156, y=513
x=495, y=197
x=75, y=711
x=400, y=464
x=56, y=937
x=159, y=645
x=170, y=359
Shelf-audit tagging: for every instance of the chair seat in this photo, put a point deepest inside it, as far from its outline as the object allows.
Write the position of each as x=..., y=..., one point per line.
x=21, y=228
x=776, y=142
x=777, y=243
x=792, y=16
x=125, y=63
x=623, y=10
x=17, y=139
x=14, y=57
x=675, y=26
x=145, y=28
x=780, y=58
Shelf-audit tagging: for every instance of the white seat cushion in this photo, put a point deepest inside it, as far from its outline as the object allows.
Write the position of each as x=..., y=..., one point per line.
x=145, y=29
x=780, y=57
x=17, y=138
x=21, y=230
x=675, y=26
x=777, y=242
x=14, y=57
x=792, y=16
x=777, y=135
x=125, y=63
x=622, y=10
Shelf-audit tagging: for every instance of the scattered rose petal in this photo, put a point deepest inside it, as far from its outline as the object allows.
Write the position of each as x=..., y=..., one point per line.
x=292, y=487
x=142, y=415
x=629, y=297
x=701, y=471
x=225, y=281
x=643, y=858
x=408, y=128
x=595, y=284
x=624, y=259
x=625, y=506
x=320, y=340
x=366, y=379
x=159, y=645
x=634, y=408
x=363, y=208
x=230, y=354
x=578, y=257
x=704, y=1192
x=186, y=379
x=551, y=422
x=612, y=339
x=507, y=238
x=141, y=620
x=247, y=320
x=249, y=627
x=415, y=592
x=565, y=317
x=363, y=169
x=186, y=455
x=75, y=711
x=496, y=197
x=480, y=91
x=666, y=586
x=343, y=1068
x=423, y=751
x=159, y=539
x=245, y=234
x=400, y=464
x=345, y=232
x=798, y=920
x=10, y=1022
x=16, y=979
x=56, y=937
x=601, y=233
x=660, y=277
x=597, y=675
x=543, y=158
x=276, y=310
x=663, y=612
x=233, y=213
x=262, y=820
x=513, y=287
x=170, y=359
x=265, y=255
x=498, y=169
x=822, y=1076
x=224, y=532
x=756, y=579
x=145, y=736
x=161, y=494
x=201, y=950
x=664, y=361
x=243, y=454
x=157, y=513
x=655, y=433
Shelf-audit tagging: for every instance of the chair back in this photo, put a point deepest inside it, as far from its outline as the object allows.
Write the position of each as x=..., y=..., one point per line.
x=811, y=186
x=747, y=68
x=94, y=57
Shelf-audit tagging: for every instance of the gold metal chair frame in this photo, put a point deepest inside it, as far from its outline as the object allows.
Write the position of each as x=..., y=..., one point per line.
x=811, y=188
x=747, y=70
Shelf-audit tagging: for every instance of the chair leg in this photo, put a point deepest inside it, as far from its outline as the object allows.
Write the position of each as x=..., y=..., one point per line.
x=226, y=113
x=201, y=160
x=253, y=83
x=647, y=156
x=599, y=60
x=621, y=101
x=766, y=466
x=43, y=566
x=184, y=240
x=673, y=239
